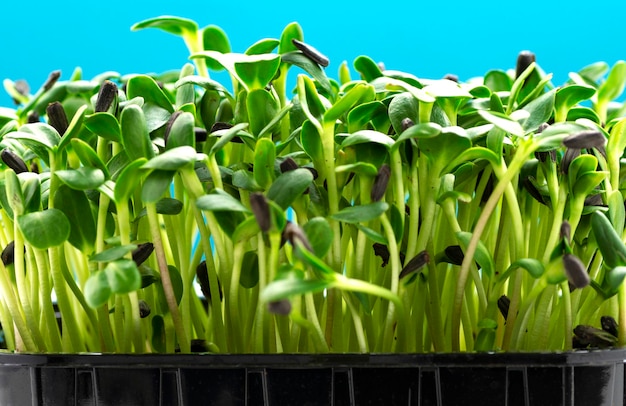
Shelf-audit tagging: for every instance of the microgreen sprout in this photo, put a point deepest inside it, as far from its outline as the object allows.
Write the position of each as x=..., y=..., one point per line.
x=382, y=212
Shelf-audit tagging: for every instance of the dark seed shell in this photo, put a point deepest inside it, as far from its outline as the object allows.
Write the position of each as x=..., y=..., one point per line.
x=576, y=271
x=8, y=253
x=415, y=264
x=585, y=139
x=280, y=307
x=288, y=165
x=380, y=183
x=57, y=117
x=609, y=325
x=142, y=252
x=106, y=96
x=13, y=161
x=503, y=305
x=312, y=53
x=261, y=210
x=144, y=309
x=52, y=79
x=524, y=59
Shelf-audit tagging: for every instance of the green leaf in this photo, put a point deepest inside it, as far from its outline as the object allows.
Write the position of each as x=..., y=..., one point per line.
x=368, y=69
x=220, y=201
x=159, y=339
x=290, y=32
x=482, y=255
x=88, y=157
x=289, y=186
x=135, y=135
x=252, y=71
x=296, y=58
x=367, y=136
x=123, y=276
x=156, y=184
x=249, y=270
x=83, y=178
x=225, y=136
x=104, y=125
x=609, y=242
x=75, y=205
x=171, y=24
x=147, y=88
x=534, y=267
x=569, y=96
x=263, y=46
x=418, y=131
x=613, y=87
x=215, y=39
x=246, y=230
x=363, y=113
x=172, y=159
x=286, y=288
x=128, y=180
x=503, y=122
x=45, y=229
x=114, y=253
x=361, y=213
x=262, y=108
x=182, y=132
x=540, y=110
x=40, y=135
x=75, y=127
x=264, y=158
x=320, y=235
x=359, y=93
x=97, y=289
x=614, y=279
x=166, y=206
x=31, y=191
x=498, y=81
x=403, y=105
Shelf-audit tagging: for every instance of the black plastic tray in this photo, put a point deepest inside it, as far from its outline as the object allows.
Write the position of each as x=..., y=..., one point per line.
x=581, y=378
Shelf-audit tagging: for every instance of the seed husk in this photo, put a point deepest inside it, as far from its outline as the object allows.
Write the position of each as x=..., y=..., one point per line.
x=588, y=336
x=144, y=309
x=569, y=155
x=533, y=191
x=380, y=183
x=288, y=165
x=280, y=307
x=585, y=139
x=261, y=210
x=170, y=123
x=8, y=254
x=312, y=53
x=22, y=87
x=452, y=77
x=52, y=79
x=33, y=117
x=200, y=133
x=407, y=123
x=57, y=117
x=609, y=325
x=106, y=96
x=199, y=345
x=415, y=264
x=13, y=161
x=524, y=59
x=142, y=252
x=504, y=303
x=202, y=276
x=294, y=234
x=381, y=250
x=576, y=271
x=454, y=254
x=566, y=231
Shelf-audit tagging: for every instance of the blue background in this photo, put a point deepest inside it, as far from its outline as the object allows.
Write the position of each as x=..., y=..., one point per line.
x=426, y=38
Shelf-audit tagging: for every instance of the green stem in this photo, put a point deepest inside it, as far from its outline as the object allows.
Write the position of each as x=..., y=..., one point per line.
x=503, y=184
x=166, y=280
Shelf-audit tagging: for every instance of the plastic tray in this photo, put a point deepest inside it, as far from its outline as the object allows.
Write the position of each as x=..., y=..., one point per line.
x=574, y=378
